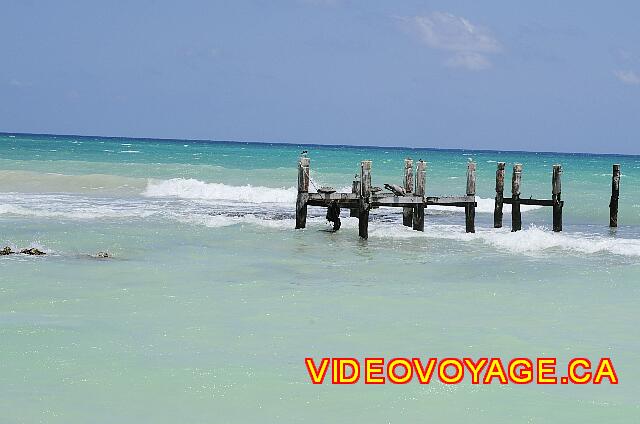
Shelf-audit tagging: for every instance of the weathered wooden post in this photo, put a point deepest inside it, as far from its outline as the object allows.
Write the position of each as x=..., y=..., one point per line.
x=470, y=209
x=421, y=181
x=556, y=194
x=497, y=210
x=615, y=194
x=516, y=218
x=303, y=192
x=407, y=212
x=355, y=189
x=365, y=199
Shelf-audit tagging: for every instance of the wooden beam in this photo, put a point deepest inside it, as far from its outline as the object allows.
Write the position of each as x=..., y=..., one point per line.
x=556, y=194
x=470, y=209
x=459, y=201
x=516, y=218
x=407, y=212
x=303, y=192
x=615, y=195
x=341, y=203
x=403, y=201
x=330, y=197
x=349, y=200
x=497, y=210
x=533, y=202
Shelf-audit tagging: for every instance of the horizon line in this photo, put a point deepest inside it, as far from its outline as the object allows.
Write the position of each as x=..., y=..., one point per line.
x=196, y=140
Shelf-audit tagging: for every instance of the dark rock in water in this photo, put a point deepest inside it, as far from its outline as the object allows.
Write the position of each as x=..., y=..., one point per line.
x=6, y=251
x=32, y=251
x=376, y=189
x=103, y=255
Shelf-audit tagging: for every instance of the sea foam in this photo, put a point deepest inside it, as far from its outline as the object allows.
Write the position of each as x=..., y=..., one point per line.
x=532, y=240
x=193, y=189
x=181, y=188
x=385, y=223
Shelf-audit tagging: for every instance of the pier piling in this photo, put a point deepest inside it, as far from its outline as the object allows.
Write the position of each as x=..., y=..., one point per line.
x=516, y=218
x=556, y=193
x=421, y=181
x=615, y=194
x=365, y=199
x=303, y=192
x=355, y=189
x=407, y=212
x=497, y=210
x=470, y=209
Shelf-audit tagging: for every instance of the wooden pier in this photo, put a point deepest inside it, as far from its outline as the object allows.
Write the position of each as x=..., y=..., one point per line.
x=411, y=197
x=515, y=200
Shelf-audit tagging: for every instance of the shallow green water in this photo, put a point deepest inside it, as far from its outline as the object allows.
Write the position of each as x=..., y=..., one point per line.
x=212, y=300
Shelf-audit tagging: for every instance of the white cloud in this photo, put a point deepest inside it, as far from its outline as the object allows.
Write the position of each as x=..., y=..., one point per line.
x=627, y=77
x=470, y=44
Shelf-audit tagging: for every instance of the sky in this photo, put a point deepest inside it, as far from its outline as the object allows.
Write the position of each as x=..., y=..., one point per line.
x=537, y=76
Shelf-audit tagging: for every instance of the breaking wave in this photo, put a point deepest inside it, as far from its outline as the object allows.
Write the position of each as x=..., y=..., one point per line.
x=532, y=240
x=180, y=188
x=384, y=223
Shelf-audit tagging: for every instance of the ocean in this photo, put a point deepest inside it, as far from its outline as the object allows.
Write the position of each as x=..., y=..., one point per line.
x=211, y=299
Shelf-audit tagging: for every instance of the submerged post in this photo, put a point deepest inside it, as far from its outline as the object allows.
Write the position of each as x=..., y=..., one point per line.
x=355, y=189
x=303, y=192
x=516, y=218
x=497, y=210
x=407, y=212
x=615, y=194
x=421, y=181
x=470, y=209
x=365, y=199
x=556, y=194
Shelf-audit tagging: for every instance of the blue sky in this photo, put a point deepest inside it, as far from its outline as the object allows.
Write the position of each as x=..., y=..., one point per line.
x=543, y=75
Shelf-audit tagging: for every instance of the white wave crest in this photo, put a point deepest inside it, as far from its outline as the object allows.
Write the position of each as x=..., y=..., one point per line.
x=533, y=240
x=195, y=189
x=536, y=239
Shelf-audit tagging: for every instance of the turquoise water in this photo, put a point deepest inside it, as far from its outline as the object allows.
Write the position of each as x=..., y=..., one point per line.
x=212, y=300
